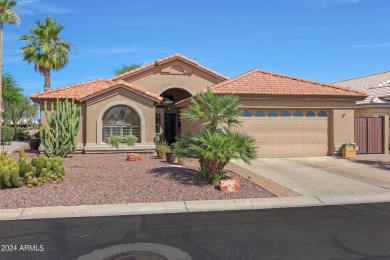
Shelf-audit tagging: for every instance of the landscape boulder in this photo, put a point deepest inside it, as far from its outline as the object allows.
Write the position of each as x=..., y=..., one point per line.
x=230, y=185
x=135, y=157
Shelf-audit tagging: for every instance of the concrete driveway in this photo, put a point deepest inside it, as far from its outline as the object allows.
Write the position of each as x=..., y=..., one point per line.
x=322, y=175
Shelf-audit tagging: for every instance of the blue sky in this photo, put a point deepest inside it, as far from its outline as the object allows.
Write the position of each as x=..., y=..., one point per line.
x=321, y=40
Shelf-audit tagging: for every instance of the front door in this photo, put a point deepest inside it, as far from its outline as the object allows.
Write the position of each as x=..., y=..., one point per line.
x=170, y=127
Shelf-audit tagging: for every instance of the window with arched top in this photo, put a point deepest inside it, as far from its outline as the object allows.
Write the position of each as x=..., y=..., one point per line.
x=285, y=114
x=272, y=113
x=297, y=114
x=322, y=114
x=246, y=113
x=310, y=114
x=121, y=121
x=259, y=113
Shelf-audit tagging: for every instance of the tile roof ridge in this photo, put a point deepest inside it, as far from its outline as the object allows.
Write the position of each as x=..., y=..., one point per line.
x=156, y=62
x=67, y=87
x=228, y=81
x=359, y=77
x=313, y=82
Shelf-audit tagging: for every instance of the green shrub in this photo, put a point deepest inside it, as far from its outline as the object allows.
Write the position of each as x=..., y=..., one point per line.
x=21, y=135
x=130, y=140
x=7, y=134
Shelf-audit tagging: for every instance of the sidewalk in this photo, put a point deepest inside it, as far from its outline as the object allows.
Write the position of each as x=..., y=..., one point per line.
x=190, y=206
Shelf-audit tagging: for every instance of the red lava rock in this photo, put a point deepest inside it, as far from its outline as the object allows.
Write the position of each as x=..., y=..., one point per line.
x=230, y=185
x=135, y=157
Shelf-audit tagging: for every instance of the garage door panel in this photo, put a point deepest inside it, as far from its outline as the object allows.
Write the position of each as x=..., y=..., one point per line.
x=310, y=138
x=273, y=125
x=273, y=138
x=298, y=138
x=262, y=125
x=286, y=137
x=322, y=138
x=285, y=151
x=285, y=126
x=322, y=125
x=273, y=151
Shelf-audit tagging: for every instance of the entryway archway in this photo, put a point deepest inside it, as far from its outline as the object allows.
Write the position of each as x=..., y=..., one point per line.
x=168, y=122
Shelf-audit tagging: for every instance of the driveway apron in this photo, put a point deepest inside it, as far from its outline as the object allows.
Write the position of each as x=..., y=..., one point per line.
x=321, y=175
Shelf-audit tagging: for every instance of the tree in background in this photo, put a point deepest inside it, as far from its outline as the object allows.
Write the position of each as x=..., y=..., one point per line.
x=45, y=49
x=127, y=68
x=31, y=112
x=13, y=100
x=7, y=15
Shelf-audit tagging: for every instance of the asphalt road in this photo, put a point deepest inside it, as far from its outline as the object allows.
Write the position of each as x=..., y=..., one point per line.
x=333, y=232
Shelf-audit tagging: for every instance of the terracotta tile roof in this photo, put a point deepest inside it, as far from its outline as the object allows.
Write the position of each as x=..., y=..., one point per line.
x=266, y=83
x=84, y=90
x=167, y=59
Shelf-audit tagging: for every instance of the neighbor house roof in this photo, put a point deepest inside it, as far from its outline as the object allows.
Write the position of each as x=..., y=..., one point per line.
x=84, y=90
x=176, y=56
x=267, y=83
x=376, y=85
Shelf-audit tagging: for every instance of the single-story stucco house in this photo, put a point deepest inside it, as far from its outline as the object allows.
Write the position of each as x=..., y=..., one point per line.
x=376, y=107
x=287, y=116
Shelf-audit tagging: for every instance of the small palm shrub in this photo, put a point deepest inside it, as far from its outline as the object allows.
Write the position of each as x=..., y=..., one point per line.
x=218, y=142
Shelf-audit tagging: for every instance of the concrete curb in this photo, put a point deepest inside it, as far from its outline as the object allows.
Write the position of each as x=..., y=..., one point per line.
x=190, y=206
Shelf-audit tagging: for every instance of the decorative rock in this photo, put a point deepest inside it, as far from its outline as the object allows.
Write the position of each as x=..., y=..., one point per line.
x=135, y=157
x=230, y=185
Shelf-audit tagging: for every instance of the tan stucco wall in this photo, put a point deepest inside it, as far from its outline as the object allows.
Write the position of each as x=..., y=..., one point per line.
x=95, y=108
x=342, y=130
x=193, y=80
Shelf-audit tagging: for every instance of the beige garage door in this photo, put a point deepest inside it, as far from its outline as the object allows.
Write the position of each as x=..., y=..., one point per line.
x=288, y=133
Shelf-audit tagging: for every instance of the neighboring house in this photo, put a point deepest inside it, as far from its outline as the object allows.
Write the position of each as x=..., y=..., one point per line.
x=377, y=104
x=287, y=116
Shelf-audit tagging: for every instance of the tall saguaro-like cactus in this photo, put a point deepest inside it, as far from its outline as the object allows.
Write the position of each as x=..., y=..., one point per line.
x=59, y=135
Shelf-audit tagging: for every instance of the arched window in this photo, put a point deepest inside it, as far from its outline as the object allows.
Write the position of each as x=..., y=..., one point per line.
x=121, y=121
x=272, y=113
x=322, y=114
x=297, y=114
x=310, y=114
x=285, y=114
x=246, y=113
x=259, y=113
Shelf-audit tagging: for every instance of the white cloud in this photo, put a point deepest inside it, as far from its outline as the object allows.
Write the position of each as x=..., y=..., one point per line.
x=323, y=2
x=32, y=7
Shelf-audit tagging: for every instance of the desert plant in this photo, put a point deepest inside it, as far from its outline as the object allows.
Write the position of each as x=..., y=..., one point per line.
x=162, y=148
x=7, y=134
x=216, y=144
x=129, y=140
x=59, y=135
x=15, y=174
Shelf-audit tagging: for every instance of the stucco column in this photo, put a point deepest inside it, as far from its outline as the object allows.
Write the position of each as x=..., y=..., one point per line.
x=343, y=128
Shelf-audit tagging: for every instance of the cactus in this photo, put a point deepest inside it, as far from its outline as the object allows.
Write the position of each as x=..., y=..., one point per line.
x=22, y=154
x=15, y=178
x=34, y=161
x=6, y=178
x=59, y=135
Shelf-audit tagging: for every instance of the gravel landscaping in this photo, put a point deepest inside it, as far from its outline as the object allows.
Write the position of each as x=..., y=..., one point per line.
x=109, y=179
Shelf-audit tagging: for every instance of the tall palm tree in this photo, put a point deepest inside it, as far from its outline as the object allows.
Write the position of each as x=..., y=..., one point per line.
x=45, y=49
x=7, y=15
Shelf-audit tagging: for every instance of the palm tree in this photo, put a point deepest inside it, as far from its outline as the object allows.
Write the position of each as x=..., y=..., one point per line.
x=45, y=49
x=7, y=15
x=216, y=144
